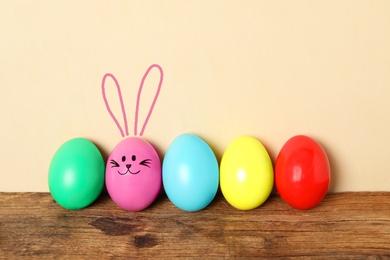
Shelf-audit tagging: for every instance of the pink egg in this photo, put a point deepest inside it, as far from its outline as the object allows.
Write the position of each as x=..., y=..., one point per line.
x=133, y=170
x=133, y=174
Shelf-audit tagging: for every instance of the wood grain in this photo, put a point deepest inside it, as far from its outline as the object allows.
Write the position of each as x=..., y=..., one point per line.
x=343, y=226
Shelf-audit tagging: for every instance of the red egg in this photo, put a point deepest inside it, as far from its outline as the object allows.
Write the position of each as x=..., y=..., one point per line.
x=302, y=172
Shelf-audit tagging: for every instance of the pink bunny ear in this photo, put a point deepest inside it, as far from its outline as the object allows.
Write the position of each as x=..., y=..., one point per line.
x=120, y=100
x=154, y=100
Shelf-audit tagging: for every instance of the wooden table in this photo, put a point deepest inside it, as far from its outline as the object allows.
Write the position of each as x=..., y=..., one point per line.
x=344, y=225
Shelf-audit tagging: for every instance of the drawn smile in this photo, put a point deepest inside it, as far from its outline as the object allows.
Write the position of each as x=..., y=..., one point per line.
x=128, y=171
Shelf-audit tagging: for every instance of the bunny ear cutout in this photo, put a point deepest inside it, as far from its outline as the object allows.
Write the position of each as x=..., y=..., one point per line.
x=154, y=100
x=120, y=100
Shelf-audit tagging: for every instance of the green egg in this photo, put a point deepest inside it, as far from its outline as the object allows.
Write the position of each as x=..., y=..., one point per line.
x=76, y=174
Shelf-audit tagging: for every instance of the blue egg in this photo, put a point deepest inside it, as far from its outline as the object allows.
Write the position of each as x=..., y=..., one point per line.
x=190, y=173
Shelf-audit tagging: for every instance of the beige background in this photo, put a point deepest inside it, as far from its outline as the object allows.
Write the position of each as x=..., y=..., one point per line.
x=270, y=69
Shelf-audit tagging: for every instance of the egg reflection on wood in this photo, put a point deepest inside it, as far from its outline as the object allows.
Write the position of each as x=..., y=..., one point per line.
x=246, y=173
x=190, y=173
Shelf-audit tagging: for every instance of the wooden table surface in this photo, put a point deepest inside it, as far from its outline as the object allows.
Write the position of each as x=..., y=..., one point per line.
x=343, y=226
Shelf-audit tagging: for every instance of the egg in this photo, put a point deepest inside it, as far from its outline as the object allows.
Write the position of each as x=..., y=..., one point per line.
x=190, y=173
x=133, y=174
x=302, y=172
x=246, y=174
x=76, y=174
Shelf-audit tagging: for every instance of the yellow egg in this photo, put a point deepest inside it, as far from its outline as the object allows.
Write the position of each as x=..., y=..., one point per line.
x=246, y=173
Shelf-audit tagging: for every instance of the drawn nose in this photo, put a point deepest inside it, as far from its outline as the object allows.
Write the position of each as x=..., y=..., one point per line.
x=128, y=166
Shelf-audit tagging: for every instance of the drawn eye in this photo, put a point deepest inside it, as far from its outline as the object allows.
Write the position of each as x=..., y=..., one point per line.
x=114, y=164
x=146, y=162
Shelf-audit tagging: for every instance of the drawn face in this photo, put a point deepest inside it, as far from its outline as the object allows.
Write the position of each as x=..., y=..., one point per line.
x=130, y=165
x=133, y=174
